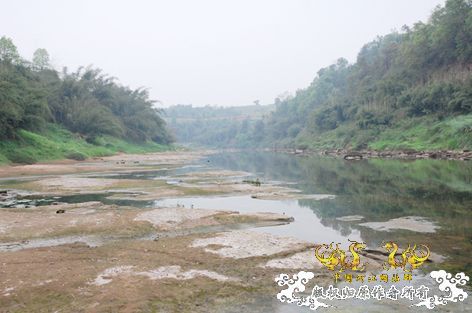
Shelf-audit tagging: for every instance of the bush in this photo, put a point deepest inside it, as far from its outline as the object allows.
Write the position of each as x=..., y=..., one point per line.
x=75, y=155
x=22, y=158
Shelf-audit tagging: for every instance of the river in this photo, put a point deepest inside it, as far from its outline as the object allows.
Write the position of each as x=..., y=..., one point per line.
x=371, y=201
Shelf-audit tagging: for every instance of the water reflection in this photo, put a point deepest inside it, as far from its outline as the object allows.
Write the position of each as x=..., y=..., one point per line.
x=307, y=226
x=379, y=190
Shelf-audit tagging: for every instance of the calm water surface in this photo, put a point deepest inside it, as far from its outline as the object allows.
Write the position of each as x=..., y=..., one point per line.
x=379, y=190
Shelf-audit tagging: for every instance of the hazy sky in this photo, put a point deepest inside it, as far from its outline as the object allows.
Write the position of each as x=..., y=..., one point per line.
x=220, y=52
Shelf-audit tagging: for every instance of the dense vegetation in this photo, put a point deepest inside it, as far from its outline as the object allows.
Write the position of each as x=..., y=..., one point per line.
x=420, y=77
x=408, y=89
x=87, y=103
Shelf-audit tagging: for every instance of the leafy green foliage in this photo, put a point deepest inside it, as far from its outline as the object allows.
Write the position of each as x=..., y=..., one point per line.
x=92, y=104
x=56, y=142
x=75, y=155
x=400, y=83
x=41, y=59
x=8, y=51
x=23, y=103
x=85, y=102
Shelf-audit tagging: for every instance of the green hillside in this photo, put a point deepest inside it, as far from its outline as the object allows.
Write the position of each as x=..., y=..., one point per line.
x=56, y=142
x=48, y=115
x=410, y=89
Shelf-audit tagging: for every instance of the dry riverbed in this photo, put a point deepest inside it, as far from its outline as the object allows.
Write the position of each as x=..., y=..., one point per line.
x=95, y=257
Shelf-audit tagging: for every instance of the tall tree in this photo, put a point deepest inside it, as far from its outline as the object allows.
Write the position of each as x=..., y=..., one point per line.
x=41, y=59
x=8, y=51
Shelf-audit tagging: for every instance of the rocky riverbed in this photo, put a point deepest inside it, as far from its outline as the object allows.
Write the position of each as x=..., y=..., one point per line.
x=58, y=255
x=464, y=155
x=160, y=233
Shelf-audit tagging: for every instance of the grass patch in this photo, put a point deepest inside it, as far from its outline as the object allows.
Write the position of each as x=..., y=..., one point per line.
x=75, y=155
x=58, y=143
x=422, y=133
x=428, y=134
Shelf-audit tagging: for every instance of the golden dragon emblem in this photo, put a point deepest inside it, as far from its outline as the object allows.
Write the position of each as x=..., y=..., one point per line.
x=408, y=260
x=332, y=257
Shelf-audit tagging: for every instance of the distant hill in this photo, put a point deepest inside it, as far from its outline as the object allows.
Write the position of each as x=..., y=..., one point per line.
x=217, y=126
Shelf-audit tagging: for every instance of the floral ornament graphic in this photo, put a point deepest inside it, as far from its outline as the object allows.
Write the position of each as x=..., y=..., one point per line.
x=297, y=284
x=448, y=284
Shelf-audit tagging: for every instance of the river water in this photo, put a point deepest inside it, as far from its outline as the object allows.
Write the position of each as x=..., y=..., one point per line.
x=436, y=191
x=429, y=201
x=436, y=195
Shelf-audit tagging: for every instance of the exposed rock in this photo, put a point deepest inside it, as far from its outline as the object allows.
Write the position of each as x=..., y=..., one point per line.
x=301, y=260
x=397, y=154
x=164, y=272
x=307, y=260
x=174, y=218
x=350, y=218
x=166, y=218
x=107, y=275
x=270, y=216
x=70, y=182
x=413, y=223
x=244, y=244
x=49, y=221
x=353, y=156
x=90, y=241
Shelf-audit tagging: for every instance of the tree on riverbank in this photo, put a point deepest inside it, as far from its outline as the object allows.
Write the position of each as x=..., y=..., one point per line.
x=410, y=89
x=422, y=73
x=86, y=102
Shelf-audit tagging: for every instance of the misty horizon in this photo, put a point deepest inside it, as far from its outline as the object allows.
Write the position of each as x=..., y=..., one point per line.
x=207, y=53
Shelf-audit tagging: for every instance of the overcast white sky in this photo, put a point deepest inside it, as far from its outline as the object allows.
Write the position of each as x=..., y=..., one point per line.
x=219, y=52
